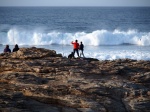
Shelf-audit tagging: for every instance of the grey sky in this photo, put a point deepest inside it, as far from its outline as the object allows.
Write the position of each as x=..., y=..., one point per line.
x=74, y=2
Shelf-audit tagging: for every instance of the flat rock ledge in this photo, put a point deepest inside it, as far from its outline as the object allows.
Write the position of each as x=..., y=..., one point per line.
x=40, y=80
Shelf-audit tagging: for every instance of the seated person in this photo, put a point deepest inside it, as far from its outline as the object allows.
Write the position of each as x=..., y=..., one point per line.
x=7, y=49
x=16, y=48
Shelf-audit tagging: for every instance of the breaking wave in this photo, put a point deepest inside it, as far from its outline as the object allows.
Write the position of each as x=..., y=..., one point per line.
x=95, y=38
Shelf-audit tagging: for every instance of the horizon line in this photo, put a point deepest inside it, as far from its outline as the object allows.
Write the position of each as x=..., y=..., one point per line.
x=74, y=6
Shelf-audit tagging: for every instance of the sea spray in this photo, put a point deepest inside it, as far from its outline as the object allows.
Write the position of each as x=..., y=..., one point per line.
x=95, y=38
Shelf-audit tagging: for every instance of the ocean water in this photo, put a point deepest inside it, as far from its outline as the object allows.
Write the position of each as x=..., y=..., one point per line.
x=107, y=33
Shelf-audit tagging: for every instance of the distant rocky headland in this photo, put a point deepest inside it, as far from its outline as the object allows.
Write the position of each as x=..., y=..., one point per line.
x=40, y=80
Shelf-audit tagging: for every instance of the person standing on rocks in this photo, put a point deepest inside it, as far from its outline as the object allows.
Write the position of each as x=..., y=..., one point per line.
x=75, y=47
x=16, y=48
x=81, y=48
x=7, y=49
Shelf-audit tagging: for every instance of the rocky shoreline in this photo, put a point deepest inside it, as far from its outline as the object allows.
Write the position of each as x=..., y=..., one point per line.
x=40, y=80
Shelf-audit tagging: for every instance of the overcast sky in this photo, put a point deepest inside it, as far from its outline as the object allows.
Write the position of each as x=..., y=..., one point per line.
x=74, y=2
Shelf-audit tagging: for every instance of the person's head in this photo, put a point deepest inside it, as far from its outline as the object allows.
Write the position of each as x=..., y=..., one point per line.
x=76, y=40
x=81, y=42
x=16, y=46
x=7, y=46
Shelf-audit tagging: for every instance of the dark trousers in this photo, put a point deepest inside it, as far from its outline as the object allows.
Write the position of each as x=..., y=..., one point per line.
x=77, y=51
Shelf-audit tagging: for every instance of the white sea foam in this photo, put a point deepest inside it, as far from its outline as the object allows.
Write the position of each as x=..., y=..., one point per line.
x=95, y=38
x=100, y=44
x=111, y=52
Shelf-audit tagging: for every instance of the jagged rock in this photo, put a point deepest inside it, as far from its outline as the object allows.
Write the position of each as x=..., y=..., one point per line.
x=31, y=53
x=37, y=79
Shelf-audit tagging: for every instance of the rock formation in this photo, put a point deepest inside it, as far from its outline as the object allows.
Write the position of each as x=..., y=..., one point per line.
x=40, y=80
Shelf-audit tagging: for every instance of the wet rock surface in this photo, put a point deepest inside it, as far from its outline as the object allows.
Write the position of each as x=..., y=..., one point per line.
x=40, y=80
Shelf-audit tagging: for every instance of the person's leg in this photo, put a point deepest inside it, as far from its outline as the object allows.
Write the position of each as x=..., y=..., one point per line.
x=78, y=52
x=74, y=52
x=82, y=53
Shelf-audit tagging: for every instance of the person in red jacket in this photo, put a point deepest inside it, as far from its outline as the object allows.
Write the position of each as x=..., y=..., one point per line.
x=75, y=47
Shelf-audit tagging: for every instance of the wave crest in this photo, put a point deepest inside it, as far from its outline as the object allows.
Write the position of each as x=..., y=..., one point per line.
x=95, y=38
